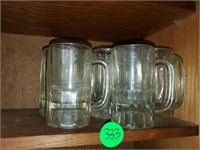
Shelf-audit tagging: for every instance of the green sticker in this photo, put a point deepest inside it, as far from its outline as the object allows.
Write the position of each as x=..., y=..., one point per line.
x=111, y=134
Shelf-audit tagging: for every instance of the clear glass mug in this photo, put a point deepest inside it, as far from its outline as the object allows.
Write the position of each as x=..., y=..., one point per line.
x=132, y=85
x=43, y=88
x=162, y=78
x=101, y=52
x=69, y=83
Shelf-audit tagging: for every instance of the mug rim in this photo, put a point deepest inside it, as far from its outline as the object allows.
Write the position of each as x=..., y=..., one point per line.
x=100, y=49
x=134, y=45
x=70, y=41
x=45, y=47
x=164, y=47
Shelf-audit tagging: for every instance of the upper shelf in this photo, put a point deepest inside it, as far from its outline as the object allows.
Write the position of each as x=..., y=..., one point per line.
x=25, y=129
x=91, y=20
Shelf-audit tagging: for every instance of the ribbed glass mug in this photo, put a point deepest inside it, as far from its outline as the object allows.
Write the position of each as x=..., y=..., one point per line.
x=43, y=80
x=132, y=85
x=162, y=78
x=69, y=83
x=101, y=52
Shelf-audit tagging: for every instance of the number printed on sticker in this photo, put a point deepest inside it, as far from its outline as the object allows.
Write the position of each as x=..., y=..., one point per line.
x=112, y=133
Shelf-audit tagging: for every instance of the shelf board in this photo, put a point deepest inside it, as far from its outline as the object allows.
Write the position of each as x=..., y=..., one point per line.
x=91, y=20
x=24, y=129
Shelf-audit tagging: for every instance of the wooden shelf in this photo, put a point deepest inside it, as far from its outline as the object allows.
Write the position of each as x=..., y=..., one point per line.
x=91, y=20
x=24, y=129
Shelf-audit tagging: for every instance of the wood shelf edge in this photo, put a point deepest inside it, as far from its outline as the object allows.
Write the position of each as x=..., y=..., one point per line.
x=80, y=139
x=50, y=141
x=161, y=133
x=25, y=129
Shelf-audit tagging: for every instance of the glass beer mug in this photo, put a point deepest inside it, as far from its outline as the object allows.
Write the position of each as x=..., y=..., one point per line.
x=162, y=78
x=132, y=85
x=69, y=83
x=104, y=53
x=43, y=88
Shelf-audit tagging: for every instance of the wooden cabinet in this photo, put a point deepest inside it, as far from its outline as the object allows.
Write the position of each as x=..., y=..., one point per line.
x=27, y=26
x=99, y=21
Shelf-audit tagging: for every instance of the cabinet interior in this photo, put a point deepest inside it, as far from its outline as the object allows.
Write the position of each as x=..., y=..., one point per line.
x=21, y=46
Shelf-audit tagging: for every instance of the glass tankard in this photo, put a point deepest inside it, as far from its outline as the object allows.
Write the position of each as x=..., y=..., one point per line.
x=69, y=83
x=132, y=85
x=104, y=53
x=43, y=88
x=162, y=78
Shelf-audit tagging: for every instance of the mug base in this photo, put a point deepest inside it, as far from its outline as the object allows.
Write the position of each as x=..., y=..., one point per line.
x=66, y=117
x=133, y=119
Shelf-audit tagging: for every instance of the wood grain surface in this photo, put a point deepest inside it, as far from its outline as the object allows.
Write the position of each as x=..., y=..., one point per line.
x=92, y=20
x=25, y=129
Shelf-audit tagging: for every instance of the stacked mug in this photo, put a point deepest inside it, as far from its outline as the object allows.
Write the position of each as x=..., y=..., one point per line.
x=101, y=52
x=43, y=79
x=127, y=83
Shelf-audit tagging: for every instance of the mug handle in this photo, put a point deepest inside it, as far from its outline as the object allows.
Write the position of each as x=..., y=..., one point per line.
x=105, y=97
x=180, y=82
x=170, y=97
